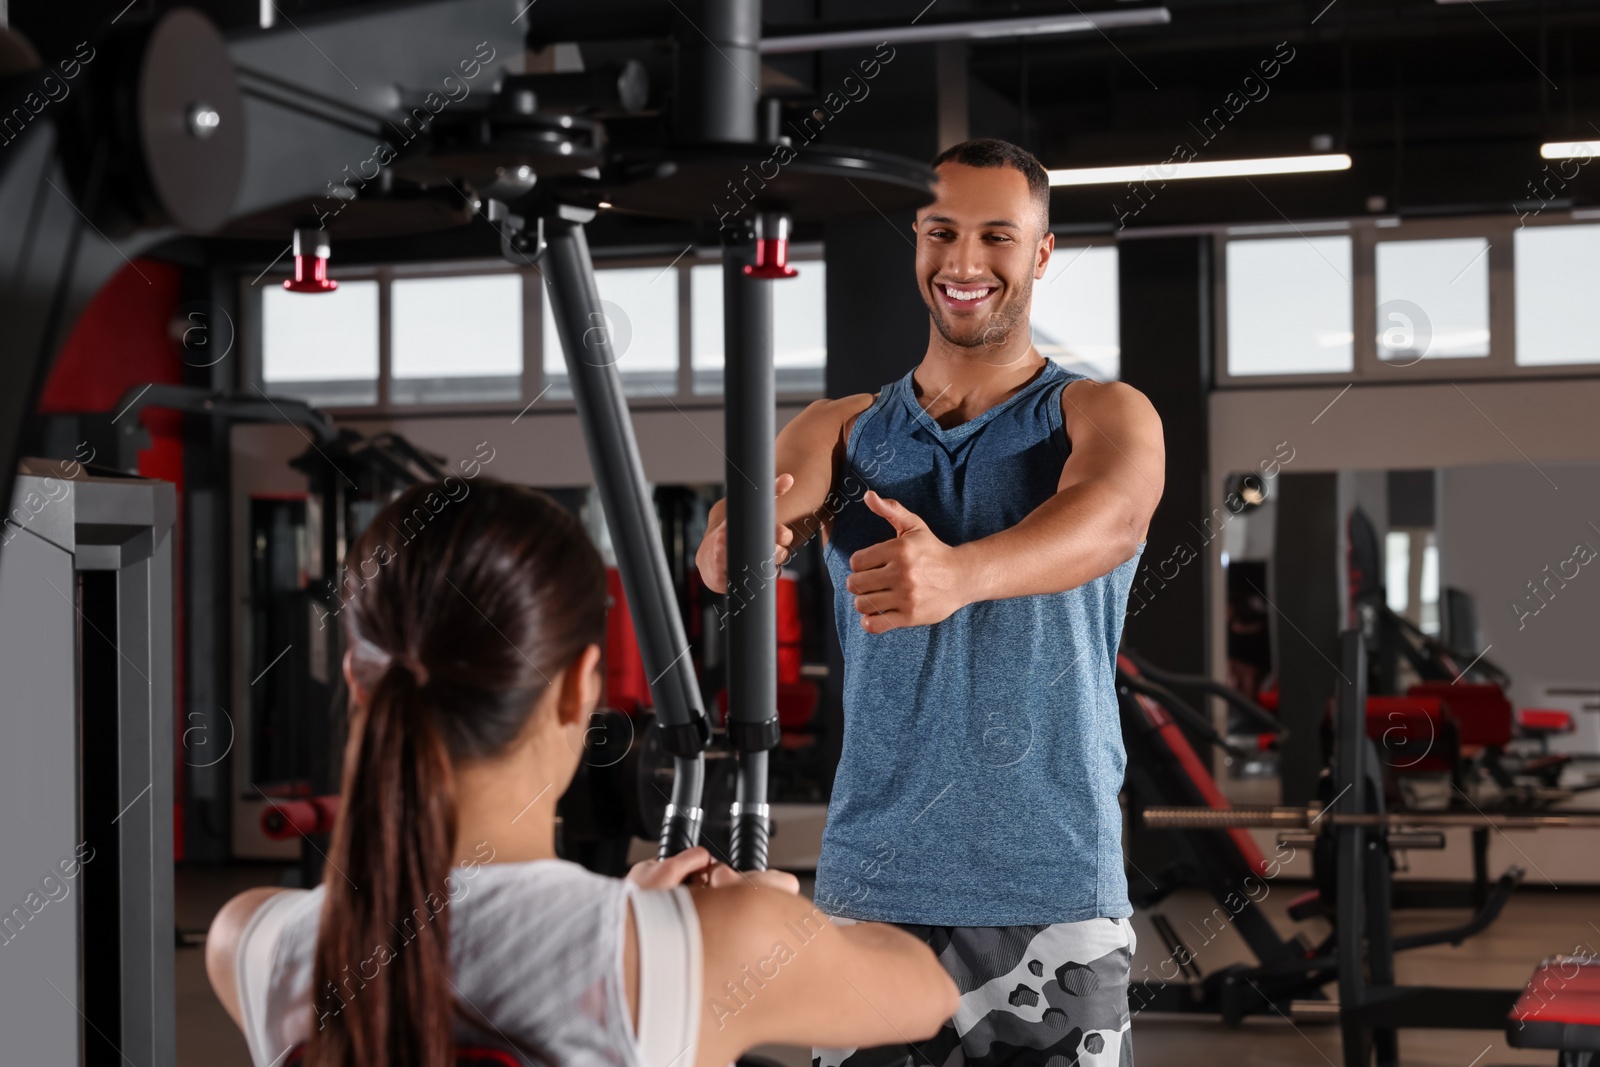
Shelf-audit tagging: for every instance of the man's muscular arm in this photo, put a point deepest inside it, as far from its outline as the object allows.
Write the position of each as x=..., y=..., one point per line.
x=808, y=448
x=1101, y=510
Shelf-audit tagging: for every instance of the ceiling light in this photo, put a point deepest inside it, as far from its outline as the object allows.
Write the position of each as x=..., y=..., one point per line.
x=1216, y=168
x=1567, y=149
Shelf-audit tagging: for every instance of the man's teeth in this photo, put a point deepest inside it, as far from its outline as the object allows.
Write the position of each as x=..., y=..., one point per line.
x=966, y=294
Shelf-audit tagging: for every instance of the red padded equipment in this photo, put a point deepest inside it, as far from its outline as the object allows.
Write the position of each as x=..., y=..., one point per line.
x=1544, y=722
x=627, y=688
x=1559, y=1009
x=1479, y=708
x=1410, y=727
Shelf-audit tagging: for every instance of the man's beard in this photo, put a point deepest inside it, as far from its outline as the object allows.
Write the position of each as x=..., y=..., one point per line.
x=1010, y=315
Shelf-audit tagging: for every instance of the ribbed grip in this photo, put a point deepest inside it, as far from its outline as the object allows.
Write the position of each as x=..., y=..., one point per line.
x=747, y=851
x=680, y=831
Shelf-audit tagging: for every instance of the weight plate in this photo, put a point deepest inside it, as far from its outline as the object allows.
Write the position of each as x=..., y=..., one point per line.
x=191, y=121
x=718, y=182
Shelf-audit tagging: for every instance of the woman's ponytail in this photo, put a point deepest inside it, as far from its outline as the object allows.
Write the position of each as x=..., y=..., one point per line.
x=454, y=634
x=384, y=945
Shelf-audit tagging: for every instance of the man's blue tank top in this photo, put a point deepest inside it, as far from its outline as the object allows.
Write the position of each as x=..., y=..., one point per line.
x=982, y=754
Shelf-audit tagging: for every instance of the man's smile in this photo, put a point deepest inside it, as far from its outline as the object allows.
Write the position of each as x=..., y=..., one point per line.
x=965, y=298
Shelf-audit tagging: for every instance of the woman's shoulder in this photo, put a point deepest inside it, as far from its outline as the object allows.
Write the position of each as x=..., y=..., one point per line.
x=535, y=937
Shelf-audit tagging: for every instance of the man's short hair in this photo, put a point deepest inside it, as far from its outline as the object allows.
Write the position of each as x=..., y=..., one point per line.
x=993, y=152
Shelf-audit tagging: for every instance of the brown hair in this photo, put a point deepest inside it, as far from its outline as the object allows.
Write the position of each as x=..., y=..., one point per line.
x=457, y=635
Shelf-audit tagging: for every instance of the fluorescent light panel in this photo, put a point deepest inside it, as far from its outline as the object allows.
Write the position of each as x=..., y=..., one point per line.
x=1569, y=149
x=1213, y=168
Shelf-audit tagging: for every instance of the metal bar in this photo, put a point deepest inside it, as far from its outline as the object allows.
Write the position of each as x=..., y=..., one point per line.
x=977, y=30
x=1350, y=783
x=630, y=515
x=1380, y=943
x=752, y=609
x=1285, y=818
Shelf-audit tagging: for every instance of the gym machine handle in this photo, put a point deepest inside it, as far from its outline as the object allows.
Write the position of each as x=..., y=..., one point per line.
x=1182, y=711
x=1264, y=719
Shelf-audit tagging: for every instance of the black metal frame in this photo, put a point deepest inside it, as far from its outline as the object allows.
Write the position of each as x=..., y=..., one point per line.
x=1372, y=1008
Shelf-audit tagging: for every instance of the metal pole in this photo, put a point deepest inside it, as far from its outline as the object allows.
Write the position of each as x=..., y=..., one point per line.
x=1350, y=779
x=719, y=71
x=752, y=608
x=630, y=515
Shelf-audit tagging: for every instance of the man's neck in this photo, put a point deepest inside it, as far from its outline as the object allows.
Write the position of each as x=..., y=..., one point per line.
x=967, y=382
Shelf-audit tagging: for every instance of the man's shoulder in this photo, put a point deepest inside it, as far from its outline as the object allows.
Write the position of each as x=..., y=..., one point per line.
x=830, y=418
x=1085, y=399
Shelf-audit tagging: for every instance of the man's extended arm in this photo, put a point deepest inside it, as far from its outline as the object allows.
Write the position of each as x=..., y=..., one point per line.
x=807, y=449
x=1101, y=510
x=1095, y=520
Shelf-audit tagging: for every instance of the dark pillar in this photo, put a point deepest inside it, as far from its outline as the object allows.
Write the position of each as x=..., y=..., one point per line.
x=877, y=321
x=1165, y=296
x=1305, y=594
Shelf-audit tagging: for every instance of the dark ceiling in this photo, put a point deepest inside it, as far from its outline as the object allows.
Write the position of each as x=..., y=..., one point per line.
x=1442, y=106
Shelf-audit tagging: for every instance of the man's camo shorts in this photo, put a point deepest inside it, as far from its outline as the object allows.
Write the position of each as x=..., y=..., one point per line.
x=1031, y=996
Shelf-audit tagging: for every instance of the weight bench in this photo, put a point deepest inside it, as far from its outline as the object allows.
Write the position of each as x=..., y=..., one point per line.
x=1560, y=1009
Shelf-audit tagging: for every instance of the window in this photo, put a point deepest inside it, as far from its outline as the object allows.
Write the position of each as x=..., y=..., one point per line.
x=800, y=328
x=456, y=339
x=1397, y=570
x=1289, y=306
x=322, y=349
x=1075, y=312
x=1557, y=277
x=465, y=334
x=640, y=308
x=1433, y=299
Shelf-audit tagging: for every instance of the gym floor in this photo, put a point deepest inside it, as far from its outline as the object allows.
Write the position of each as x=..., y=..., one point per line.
x=1537, y=922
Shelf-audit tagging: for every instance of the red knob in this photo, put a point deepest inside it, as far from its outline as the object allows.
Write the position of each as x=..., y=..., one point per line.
x=772, y=254
x=311, y=251
x=314, y=280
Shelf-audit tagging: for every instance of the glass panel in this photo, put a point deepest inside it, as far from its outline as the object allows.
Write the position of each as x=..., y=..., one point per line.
x=456, y=339
x=640, y=307
x=1557, y=277
x=1289, y=306
x=321, y=348
x=1397, y=570
x=1433, y=299
x=1075, y=312
x=800, y=328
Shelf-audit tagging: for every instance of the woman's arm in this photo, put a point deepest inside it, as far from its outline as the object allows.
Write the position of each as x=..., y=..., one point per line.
x=222, y=945
x=776, y=970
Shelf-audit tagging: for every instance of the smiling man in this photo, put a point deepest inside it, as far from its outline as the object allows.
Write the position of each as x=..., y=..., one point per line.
x=982, y=518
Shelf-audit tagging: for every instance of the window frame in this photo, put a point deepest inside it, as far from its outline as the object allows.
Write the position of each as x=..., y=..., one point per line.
x=1365, y=234
x=533, y=349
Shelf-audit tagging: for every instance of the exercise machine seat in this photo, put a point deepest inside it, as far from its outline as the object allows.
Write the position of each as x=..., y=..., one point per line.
x=1409, y=728
x=1544, y=722
x=1560, y=1008
x=1480, y=709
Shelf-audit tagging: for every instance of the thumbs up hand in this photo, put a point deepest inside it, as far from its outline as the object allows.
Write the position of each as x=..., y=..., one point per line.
x=912, y=579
